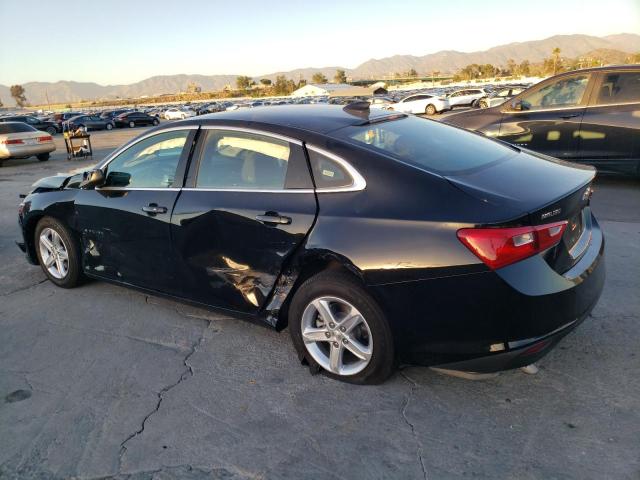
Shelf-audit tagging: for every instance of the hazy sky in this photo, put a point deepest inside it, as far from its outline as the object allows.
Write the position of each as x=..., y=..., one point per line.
x=123, y=41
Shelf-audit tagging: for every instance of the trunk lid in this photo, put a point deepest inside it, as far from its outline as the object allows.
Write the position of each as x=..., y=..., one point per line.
x=537, y=190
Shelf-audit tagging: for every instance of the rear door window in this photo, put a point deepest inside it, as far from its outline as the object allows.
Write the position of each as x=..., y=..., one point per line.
x=622, y=87
x=245, y=161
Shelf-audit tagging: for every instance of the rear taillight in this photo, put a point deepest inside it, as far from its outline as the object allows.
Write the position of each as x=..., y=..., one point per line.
x=16, y=141
x=45, y=138
x=499, y=247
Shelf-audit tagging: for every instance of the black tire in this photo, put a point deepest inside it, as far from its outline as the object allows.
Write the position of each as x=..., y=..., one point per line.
x=52, y=131
x=74, y=274
x=132, y=124
x=483, y=104
x=430, y=110
x=156, y=123
x=343, y=286
x=83, y=127
x=109, y=126
x=43, y=157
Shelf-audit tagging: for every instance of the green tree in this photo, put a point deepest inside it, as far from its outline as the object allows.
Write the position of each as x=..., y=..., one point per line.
x=243, y=82
x=340, y=76
x=265, y=81
x=17, y=92
x=412, y=73
x=1, y=104
x=524, y=68
x=283, y=86
x=319, y=78
x=512, y=67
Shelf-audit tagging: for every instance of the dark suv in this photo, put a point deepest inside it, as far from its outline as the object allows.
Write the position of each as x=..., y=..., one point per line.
x=43, y=125
x=588, y=116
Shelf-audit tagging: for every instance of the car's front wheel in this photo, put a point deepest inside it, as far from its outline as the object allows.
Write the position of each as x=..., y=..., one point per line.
x=52, y=131
x=109, y=126
x=57, y=252
x=338, y=327
x=431, y=110
x=156, y=123
x=132, y=124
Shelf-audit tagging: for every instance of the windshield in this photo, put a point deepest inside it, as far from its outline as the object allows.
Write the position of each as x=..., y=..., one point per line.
x=428, y=144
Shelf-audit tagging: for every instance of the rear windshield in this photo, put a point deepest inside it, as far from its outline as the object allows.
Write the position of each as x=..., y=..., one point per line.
x=15, y=128
x=427, y=144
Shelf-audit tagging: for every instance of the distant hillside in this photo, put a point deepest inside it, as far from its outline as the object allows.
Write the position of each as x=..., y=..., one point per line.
x=612, y=48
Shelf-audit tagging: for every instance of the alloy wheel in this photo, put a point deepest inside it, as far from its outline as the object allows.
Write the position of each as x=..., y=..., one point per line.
x=54, y=253
x=337, y=335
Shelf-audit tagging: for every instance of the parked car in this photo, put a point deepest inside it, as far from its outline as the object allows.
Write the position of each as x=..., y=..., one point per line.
x=111, y=114
x=42, y=125
x=421, y=103
x=135, y=119
x=375, y=236
x=60, y=118
x=21, y=140
x=587, y=116
x=498, y=97
x=89, y=122
x=178, y=114
x=466, y=97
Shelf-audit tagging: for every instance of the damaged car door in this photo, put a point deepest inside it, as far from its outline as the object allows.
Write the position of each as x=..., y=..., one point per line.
x=125, y=222
x=248, y=203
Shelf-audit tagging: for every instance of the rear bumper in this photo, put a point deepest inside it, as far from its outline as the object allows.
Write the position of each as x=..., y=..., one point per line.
x=493, y=320
x=21, y=151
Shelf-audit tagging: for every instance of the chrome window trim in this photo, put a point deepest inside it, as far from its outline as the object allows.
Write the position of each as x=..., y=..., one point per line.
x=248, y=190
x=152, y=189
x=575, y=107
x=358, y=181
x=126, y=146
x=264, y=133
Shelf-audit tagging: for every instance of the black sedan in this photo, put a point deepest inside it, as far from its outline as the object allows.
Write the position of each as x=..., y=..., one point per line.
x=90, y=122
x=43, y=125
x=376, y=237
x=135, y=119
x=588, y=116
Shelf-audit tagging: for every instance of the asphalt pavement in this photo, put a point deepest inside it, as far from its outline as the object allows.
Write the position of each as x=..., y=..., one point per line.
x=102, y=381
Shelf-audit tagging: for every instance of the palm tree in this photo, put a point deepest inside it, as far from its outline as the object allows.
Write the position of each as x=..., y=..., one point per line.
x=556, y=59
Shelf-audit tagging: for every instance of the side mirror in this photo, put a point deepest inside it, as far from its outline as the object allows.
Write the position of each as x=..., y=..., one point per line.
x=92, y=179
x=516, y=105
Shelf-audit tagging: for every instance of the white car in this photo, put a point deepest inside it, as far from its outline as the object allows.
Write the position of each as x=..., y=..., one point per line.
x=178, y=114
x=499, y=97
x=380, y=102
x=464, y=98
x=421, y=103
x=19, y=140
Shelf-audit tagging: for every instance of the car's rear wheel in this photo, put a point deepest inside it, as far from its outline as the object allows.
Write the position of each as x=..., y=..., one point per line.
x=155, y=123
x=52, y=131
x=43, y=157
x=483, y=104
x=430, y=110
x=339, y=328
x=109, y=126
x=132, y=124
x=57, y=252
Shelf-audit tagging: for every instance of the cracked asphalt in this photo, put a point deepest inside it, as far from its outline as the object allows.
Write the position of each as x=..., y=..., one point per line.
x=105, y=382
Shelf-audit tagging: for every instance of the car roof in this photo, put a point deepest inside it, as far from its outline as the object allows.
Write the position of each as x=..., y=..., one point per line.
x=317, y=118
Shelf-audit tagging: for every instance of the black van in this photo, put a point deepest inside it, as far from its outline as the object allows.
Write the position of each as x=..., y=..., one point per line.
x=590, y=116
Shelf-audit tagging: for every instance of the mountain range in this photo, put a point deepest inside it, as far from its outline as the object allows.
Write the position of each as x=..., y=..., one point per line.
x=446, y=61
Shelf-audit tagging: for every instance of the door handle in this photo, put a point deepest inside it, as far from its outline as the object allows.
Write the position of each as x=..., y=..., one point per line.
x=273, y=218
x=152, y=209
x=570, y=115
